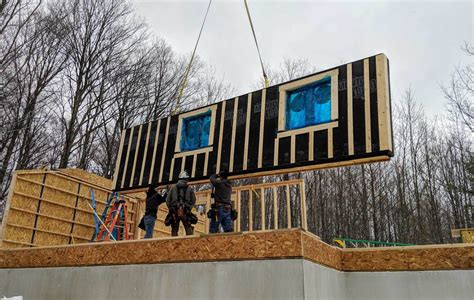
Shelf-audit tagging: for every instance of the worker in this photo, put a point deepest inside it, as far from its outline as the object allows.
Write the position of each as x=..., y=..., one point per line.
x=221, y=212
x=180, y=201
x=153, y=201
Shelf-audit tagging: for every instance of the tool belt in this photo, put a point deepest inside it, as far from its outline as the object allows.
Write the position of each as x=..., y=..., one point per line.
x=180, y=214
x=213, y=213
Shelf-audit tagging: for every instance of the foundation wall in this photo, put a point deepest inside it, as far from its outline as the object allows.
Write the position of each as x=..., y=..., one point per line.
x=261, y=279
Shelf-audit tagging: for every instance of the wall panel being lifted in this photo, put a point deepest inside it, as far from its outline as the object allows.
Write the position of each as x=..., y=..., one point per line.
x=336, y=117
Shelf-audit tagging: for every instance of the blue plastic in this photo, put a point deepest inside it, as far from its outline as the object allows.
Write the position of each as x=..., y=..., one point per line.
x=309, y=105
x=195, y=131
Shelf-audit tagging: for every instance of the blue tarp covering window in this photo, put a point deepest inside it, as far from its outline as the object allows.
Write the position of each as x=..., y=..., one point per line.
x=195, y=131
x=309, y=105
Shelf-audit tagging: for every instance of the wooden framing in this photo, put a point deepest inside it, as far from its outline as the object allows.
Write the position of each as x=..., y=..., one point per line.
x=46, y=208
x=205, y=196
x=248, y=137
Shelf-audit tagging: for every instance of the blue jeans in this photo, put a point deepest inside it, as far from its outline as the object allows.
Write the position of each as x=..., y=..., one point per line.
x=223, y=217
x=149, y=225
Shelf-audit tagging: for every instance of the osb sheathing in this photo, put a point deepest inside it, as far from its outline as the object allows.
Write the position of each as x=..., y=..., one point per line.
x=55, y=212
x=467, y=236
x=293, y=243
x=432, y=257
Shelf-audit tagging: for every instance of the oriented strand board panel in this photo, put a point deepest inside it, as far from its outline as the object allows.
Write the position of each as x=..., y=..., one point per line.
x=467, y=236
x=46, y=208
x=340, y=116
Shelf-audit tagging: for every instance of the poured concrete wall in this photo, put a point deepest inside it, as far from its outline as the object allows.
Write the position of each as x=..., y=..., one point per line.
x=261, y=279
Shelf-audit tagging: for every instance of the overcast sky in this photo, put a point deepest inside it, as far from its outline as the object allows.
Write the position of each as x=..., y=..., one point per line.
x=421, y=39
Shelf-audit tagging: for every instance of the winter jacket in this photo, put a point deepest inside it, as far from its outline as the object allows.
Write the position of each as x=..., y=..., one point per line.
x=222, y=190
x=187, y=198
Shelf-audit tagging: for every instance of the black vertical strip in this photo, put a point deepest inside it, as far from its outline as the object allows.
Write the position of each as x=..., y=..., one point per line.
x=212, y=160
x=149, y=152
x=390, y=106
x=358, y=107
x=284, y=150
x=131, y=157
x=240, y=133
x=227, y=135
x=188, y=164
x=254, y=130
x=74, y=213
x=200, y=158
x=320, y=145
x=123, y=158
x=271, y=126
x=38, y=210
x=159, y=151
x=374, y=117
x=340, y=143
x=141, y=151
x=301, y=147
x=170, y=146
x=177, y=167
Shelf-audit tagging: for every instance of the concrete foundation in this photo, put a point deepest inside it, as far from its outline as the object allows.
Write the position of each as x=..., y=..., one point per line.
x=257, y=279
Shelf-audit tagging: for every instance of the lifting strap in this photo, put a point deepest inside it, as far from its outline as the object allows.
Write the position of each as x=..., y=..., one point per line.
x=265, y=78
x=180, y=94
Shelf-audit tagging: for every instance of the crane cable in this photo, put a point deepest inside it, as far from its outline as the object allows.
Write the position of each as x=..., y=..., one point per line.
x=180, y=94
x=265, y=78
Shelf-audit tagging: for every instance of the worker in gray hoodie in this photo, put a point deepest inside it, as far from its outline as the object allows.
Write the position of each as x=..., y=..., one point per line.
x=221, y=212
x=180, y=200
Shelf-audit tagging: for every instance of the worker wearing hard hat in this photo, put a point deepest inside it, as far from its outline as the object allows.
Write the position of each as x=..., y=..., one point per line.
x=180, y=200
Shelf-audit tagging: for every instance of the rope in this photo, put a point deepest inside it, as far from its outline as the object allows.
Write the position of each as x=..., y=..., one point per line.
x=265, y=78
x=190, y=62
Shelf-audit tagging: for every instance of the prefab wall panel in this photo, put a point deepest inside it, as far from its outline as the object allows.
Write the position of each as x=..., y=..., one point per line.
x=248, y=135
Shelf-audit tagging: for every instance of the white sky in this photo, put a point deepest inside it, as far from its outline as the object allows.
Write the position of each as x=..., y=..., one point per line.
x=422, y=39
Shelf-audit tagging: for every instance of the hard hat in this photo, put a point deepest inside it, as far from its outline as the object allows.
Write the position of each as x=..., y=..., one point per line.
x=183, y=175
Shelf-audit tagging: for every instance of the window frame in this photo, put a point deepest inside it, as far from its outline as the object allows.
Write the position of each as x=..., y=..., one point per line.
x=294, y=85
x=178, y=151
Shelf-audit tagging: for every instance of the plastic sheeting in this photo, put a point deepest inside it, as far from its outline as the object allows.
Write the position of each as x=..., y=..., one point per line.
x=309, y=105
x=195, y=131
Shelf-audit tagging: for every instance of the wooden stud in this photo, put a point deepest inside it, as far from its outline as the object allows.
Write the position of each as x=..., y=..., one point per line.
x=145, y=153
x=304, y=221
x=136, y=155
x=311, y=146
x=8, y=204
x=232, y=140
x=193, y=172
x=330, y=143
x=165, y=145
x=239, y=209
x=293, y=149
x=183, y=161
x=171, y=170
x=251, y=191
x=288, y=205
x=262, y=125
x=262, y=208
x=350, y=118
x=275, y=207
x=383, y=103
x=247, y=129
x=206, y=160
x=119, y=157
x=275, y=151
x=126, y=158
x=368, y=131
x=221, y=132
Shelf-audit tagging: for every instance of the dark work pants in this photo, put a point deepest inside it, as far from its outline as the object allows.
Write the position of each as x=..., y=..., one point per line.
x=175, y=228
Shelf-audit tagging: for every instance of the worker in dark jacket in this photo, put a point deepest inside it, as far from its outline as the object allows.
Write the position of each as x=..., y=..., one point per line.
x=153, y=200
x=180, y=201
x=222, y=203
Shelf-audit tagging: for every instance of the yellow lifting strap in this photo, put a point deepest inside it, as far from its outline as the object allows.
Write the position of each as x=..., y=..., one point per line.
x=265, y=78
x=188, y=68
